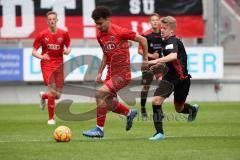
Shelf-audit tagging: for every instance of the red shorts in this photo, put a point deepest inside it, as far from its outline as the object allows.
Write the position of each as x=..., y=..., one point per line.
x=117, y=82
x=53, y=76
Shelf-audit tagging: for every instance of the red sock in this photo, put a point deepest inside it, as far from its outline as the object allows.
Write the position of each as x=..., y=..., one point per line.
x=101, y=116
x=45, y=96
x=51, y=106
x=120, y=108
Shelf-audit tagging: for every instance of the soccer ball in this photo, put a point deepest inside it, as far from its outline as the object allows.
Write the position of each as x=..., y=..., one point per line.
x=62, y=134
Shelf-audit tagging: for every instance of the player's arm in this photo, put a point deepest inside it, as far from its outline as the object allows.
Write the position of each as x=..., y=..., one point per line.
x=67, y=50
x=143, y=42
x=169, y=58
x=172, y=49
x=103, y=65
x=36, y=44
x=39, y=56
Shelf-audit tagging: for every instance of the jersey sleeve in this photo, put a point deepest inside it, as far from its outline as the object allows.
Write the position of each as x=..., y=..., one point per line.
x=37, y=42
x=127, y=34
x=67, y=40
x=172, y=46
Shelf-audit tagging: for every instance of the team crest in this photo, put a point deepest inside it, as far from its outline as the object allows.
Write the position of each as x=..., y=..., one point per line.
x=60, y=39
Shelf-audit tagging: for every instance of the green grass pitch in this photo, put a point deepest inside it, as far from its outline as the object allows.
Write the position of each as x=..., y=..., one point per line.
x=215, y=134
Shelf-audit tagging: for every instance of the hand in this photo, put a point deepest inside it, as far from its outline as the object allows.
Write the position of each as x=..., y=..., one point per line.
x=159, y=68
x=98, y=78
x=66, y=52
x=45, y=56
x=145, y=66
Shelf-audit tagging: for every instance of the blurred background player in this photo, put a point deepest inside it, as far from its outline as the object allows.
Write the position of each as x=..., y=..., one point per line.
x=55, y=43
x=154, y=40
x=113, y=40
x=175, y=58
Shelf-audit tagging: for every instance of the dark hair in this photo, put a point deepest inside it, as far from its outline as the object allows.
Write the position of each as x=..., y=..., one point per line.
x=101, y=12
x=51, y=12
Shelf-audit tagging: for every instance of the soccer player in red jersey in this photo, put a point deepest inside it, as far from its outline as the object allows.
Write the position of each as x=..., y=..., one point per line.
x=55, y=43
x=113, y=40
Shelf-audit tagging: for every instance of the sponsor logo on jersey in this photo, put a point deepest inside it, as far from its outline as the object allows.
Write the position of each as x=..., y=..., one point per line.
x=169, y=46
x=53, y=46
x=109, y=46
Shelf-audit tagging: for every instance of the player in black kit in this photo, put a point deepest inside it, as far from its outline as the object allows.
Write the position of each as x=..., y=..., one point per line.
x=175, y=58
x=154, y=40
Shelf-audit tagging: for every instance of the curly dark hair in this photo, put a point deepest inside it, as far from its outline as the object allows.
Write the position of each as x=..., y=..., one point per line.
x=101, y=12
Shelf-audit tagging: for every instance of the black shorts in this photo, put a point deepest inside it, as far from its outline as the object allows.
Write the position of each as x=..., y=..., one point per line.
x=180, y=89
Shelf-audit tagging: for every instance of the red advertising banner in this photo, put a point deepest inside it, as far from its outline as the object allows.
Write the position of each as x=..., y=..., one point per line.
x=26, y=18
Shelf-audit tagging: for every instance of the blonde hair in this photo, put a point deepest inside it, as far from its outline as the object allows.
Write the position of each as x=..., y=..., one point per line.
x=169, y=21
x=51, y=12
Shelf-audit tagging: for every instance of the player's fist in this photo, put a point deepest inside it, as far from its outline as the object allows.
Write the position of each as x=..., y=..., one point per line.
x=98, y=78
x=145, y=66
x=45, y=56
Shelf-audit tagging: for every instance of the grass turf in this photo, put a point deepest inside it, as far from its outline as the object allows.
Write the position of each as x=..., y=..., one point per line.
x=215, y=134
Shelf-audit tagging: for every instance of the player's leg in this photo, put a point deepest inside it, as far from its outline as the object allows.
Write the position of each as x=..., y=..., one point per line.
x=44, y=95
x=115, y=84
x=55, y=84
x=157, y=101
x=180, y=96
x=147, y=78
x=103, y=96
x=144, y=94
x=158, y=117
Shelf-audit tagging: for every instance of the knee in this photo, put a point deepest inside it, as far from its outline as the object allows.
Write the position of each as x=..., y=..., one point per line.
x=156, y=101
x=55, y=94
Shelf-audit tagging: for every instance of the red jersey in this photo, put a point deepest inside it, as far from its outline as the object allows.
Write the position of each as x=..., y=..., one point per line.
x=53, y=45
x=116, y=49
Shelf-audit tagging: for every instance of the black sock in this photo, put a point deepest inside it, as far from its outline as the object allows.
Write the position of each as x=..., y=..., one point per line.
x=187, y=109
x=143, y=99
x=158, y=118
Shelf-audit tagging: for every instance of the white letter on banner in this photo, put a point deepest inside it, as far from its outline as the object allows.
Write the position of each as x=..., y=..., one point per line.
x=9, y=28
x=148, y=6
x=59, y=7
x=89, y=30
x=135, y=6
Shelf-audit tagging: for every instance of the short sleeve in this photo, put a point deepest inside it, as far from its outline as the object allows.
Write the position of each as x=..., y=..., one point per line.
x=67, y=40
x=37, y=42
x=172, y=46
x=127, y=34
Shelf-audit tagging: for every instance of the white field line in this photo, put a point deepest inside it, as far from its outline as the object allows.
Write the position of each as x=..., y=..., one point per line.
x=114, y=138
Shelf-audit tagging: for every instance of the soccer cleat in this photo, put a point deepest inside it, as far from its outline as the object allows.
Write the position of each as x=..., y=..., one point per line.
x=94, y=133
x=193, y=114
x=51, y=122
x=42, y=101
x=130, y=117
x=157, y=136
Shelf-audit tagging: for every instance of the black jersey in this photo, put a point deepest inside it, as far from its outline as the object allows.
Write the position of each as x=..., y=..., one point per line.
x=154, y=41
x=177, y=68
